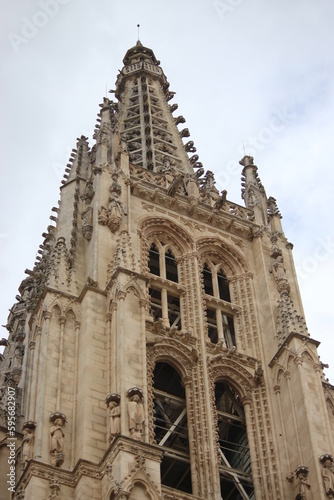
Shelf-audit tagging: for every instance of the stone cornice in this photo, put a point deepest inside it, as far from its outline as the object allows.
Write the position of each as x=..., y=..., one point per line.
x=86, y=467
x=200, y=213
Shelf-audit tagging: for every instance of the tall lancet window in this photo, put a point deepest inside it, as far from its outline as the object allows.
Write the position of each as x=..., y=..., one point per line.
x=235, y=466
x=217, y=294
x=171, y=427
x=165, y=297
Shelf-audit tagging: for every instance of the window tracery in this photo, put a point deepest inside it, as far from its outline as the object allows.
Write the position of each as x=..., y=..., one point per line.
x=219, y=318
x=165, y=300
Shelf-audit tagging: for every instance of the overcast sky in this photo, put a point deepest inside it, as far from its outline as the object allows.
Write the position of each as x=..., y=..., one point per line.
x=255, y=72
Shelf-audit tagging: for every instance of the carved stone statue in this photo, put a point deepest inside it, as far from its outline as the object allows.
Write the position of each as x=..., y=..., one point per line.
x=136, y=416
x=115, y=418
x=304, y=484
x=280, y=274
x=57, y=439
x=28, y=442
x=328, y=474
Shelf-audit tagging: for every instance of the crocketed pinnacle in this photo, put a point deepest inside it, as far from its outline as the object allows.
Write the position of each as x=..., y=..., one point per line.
x=144, y=116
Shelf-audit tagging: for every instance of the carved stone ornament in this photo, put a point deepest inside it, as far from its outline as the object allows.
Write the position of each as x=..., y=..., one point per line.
x=280, y=275
x=135, y=413
x=112, y=217
x=28, y=442
x=114, y=414
x=304, y=486
x=327, y=461
x=87, y=226
x=57, y=439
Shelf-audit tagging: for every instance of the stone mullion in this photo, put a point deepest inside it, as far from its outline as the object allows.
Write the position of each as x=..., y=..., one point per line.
x=194, y=430
x=254, y=445
x=261, y=448
x=239, y=297
x=189, y=386
x=205, y=429
x=217, y=461
x=254, y=335
x=150, y=395
x=271, y=447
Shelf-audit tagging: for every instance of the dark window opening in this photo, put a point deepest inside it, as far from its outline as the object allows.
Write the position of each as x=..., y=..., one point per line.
x=230, y=491
x=212, y=325
x=171, y=267
x=207, y=278
x=167, y=379
x=224, y=292
x=174, y=312
x=235, y=468
x=176, y=474
x=154, y=264
x=171, y=427
x=229, y=334
x=156, y=309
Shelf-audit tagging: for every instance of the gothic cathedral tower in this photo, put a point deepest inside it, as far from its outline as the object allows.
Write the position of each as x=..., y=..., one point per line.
x=157, y=349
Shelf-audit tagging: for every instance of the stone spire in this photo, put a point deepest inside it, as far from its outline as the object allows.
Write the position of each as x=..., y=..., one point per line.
x=144, y=117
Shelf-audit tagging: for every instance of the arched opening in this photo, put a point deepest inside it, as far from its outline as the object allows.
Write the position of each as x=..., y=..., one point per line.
x=171, y=427
x=235, y=466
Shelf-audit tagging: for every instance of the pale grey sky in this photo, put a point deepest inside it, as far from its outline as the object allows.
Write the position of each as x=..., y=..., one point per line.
x=259, y=72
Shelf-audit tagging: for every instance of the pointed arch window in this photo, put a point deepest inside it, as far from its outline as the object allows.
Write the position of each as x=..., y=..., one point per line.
x=171, y=427
x=235, y=465
x=165, y=298
x=219, y=318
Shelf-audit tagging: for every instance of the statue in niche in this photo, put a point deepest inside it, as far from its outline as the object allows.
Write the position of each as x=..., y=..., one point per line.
x=114, y=419
x=115, y=213
x=280, y=275
x=57, y=439
x=304, y=483
x=18, y=355
x=136, y=416
x=328, y=474
x=87, y=223
x=28, y=442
